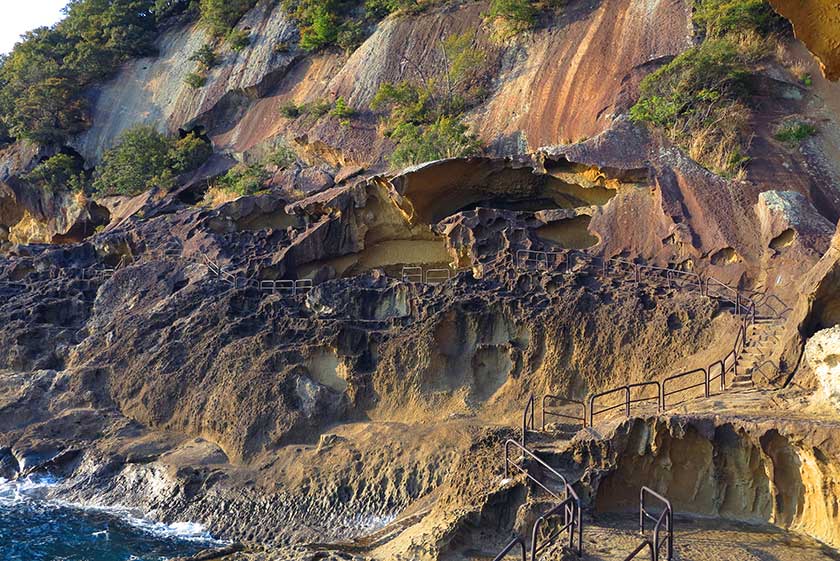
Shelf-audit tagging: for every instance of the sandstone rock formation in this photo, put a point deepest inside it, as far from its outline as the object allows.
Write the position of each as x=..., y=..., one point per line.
x=821, y=353
x=816, y=23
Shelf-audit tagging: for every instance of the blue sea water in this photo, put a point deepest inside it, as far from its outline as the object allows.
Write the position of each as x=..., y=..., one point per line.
x=35, y=529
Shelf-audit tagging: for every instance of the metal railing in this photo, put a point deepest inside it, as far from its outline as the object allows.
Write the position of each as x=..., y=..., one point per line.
x=564, y=400
x=628, y=400
x=666, y=517
x=528, y=420
x=437, y=276
x=412, y=274
x=705, y=383
x=509, y=547
x=527, y=455
x=415, y=274
x=570, y=511
x=569, y=502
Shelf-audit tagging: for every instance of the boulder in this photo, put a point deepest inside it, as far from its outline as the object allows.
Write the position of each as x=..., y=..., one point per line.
x=822, y=351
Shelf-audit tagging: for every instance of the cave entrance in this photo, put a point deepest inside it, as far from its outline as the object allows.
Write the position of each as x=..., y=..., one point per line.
x=438, y=191
x=388, y=255
x=569, y=233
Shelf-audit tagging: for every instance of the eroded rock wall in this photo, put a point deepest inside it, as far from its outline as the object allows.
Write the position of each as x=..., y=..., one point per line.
x=786, y=475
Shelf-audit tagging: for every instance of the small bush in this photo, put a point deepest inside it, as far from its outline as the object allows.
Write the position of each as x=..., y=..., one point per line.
x=189, y=152
x=794, y=132
x=378, y=9
x=317, y=108
x=512, y=17
x=290, y=110
x=219, y=16
x=282, y=157
x=138, y=162
x=238, y=39
x=244, y=179
x=720, y=17
x=61, y=172
x=445, y=138
x=205, y=56
x=342, y=110
x=195, y=80
x=350, y=35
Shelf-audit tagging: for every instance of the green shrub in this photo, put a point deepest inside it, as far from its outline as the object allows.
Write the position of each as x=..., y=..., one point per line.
x=406, y=102
x=138, y=162
x=219, y=16
x=238, y=39
x=321, y=31
x=144, y=158
x=341, y=109
x=189, y=152
x=195, y=80
x=61, y=172
x=317, y=108
x=351, y=34
x=698, y=98
x=378, y=9
x=282, y=156
x=512, y=16
x=205, y=56
x=244, y=179
x=721, y=17
x=807, y=80
x=290, y=110
x=794, y=132
x=445, y=138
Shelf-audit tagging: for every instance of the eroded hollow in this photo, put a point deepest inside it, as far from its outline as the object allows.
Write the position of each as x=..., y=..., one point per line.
x=783, y=240
x=728, y=473
x=388, y=255
x=442, y=189
x=570, y=233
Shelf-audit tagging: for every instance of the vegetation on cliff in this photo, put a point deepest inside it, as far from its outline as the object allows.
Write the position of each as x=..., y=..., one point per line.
x=702, y=97
x=423, y=115
x=144, y=158
x=42, y=80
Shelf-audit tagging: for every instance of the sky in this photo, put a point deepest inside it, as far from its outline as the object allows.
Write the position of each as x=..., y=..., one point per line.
x=19, y=16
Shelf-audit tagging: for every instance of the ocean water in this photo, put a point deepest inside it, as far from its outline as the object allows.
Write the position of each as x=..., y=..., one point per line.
x=35, y=529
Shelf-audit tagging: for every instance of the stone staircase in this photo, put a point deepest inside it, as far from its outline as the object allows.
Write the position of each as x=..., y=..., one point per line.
x=763, y=336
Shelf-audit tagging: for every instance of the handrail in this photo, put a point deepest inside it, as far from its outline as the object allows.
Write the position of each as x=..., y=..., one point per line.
x=437, y=276
x=569, y=501
x=666, y=517
x=571, y=520
x=640, y=548
x=529, y=406
x=513, y=543
x=705, y=383
x=545, y=412
x=628, y=401
x=568, y=491
x=409, y=274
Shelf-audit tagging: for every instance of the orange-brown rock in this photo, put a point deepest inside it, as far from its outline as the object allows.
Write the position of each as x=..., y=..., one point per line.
x=817, y=24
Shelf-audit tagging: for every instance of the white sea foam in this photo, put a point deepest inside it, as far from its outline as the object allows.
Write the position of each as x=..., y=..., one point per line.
x=35, y=488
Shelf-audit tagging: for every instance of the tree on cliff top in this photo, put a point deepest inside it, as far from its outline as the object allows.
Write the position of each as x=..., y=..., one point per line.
x=219, y=16
x=43, y=79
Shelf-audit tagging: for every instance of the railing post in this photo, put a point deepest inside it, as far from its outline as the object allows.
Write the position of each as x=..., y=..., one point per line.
x=627, y=400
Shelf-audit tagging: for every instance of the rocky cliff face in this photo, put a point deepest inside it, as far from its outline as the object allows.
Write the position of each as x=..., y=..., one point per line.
x=349, y=349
